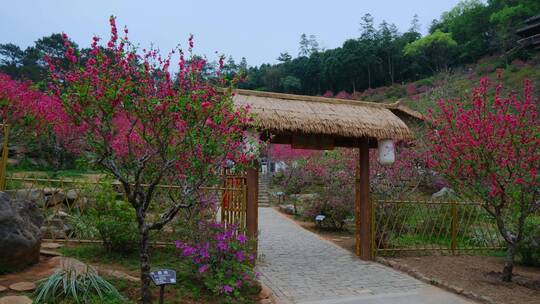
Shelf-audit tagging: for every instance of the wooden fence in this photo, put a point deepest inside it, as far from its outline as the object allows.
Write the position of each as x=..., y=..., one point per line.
x=402, y=227
x=64, y=200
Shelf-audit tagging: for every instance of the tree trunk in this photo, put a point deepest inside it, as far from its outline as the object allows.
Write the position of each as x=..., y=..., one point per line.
x=369, y=77
x=509, y=263
x=144, y=259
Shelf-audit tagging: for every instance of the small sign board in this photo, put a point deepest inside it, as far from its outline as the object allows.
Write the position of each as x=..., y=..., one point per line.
x=320, y=218
x=163, y=277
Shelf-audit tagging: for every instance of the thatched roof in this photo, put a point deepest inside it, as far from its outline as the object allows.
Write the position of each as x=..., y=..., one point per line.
x=287, y=113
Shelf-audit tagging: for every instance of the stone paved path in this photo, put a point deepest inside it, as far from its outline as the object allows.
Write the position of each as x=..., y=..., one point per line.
x=300, y=267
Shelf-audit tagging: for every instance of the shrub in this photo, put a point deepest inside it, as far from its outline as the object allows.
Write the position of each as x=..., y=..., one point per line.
x=395, y=92
x=117, y=227
x=72, y=285
x=529, y=249
x=224, y=261
x=110, y=219
x=334, y=207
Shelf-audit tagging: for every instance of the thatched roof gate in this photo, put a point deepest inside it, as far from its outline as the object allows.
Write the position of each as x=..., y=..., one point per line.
x=324, y=123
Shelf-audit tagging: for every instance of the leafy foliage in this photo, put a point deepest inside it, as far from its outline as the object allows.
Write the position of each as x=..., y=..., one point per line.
x=81, y=286
x=529, y=249
x=437, y=49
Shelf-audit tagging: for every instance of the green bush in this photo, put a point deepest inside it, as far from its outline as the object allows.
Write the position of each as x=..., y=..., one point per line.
x=72, y=285
x=117, y=227
x=529, y=249
x=109, y=218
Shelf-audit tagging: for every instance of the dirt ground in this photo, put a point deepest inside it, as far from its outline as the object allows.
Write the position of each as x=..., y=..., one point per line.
x=478, y=274
x=481, y=275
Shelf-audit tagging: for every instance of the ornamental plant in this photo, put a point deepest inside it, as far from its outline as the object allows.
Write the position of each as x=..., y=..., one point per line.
x=488, y=148
x=224, y=259
x=25, y=109
x=294, y=178
x=125, y=111
x=20, y=103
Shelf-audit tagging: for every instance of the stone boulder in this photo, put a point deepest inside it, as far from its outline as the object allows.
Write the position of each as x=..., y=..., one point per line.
x=443, y=193
x=289, y=209
x=20, y=234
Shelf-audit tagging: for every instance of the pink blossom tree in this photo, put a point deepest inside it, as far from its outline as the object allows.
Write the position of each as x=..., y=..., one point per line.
x=294, y=178
x=130, y=115
x=488, y=149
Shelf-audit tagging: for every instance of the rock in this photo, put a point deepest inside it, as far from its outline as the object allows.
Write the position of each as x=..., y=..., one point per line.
x=56, y=226
x=15, y=300
x=289, y=209
x=3, y=288
x=72, y=195
x=23, y=286
x=442, y=193
x=55, y=199
x=49, y=253
x=20, y=234
x=50, y=245
x=13, y=161
x=306, y=196
x=266, y=301
x=265, y=293
x=35, y=195
x=119, y=275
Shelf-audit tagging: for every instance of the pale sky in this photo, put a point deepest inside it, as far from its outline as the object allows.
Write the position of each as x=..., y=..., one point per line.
x=257, y=30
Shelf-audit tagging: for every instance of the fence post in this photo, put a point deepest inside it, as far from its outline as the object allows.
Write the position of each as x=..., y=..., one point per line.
x=373, y=229
x=453, y=243
x=3, y=160
x=252, y=204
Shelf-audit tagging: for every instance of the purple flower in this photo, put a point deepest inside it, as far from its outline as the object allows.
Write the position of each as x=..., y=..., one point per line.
x=188, y=250
x=227, y=288
x=178, y=244
x=238, y=284
x=241, y=238
x=240, y=256
x=203, y=268
x=222, y=246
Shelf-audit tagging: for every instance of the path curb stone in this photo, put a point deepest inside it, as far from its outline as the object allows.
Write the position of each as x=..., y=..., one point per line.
x=23, y=286
x=435, y=282
x=15, y=300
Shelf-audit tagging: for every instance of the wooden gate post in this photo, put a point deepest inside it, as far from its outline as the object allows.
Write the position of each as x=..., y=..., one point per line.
x=362, y=206
x=4, y=156
x=252, y=204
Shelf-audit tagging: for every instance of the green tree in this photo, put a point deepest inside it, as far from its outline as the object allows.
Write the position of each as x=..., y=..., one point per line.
x=291, y=84
x=284, y=57
x=437, y=49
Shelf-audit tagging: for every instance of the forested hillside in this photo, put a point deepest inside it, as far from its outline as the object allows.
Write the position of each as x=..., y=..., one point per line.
x=473, y=39
x=381, y=56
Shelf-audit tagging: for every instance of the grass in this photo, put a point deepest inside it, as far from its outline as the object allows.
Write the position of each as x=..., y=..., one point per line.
x=187, y=288
x=50, y=173
x=461, y=81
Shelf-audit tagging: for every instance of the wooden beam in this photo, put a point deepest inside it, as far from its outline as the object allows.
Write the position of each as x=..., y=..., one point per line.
x=312, y=142
x=362, y=206
x=316, y=141
x=252, y=202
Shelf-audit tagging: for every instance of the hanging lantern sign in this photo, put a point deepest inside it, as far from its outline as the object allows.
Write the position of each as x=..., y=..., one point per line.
x=387, y=152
